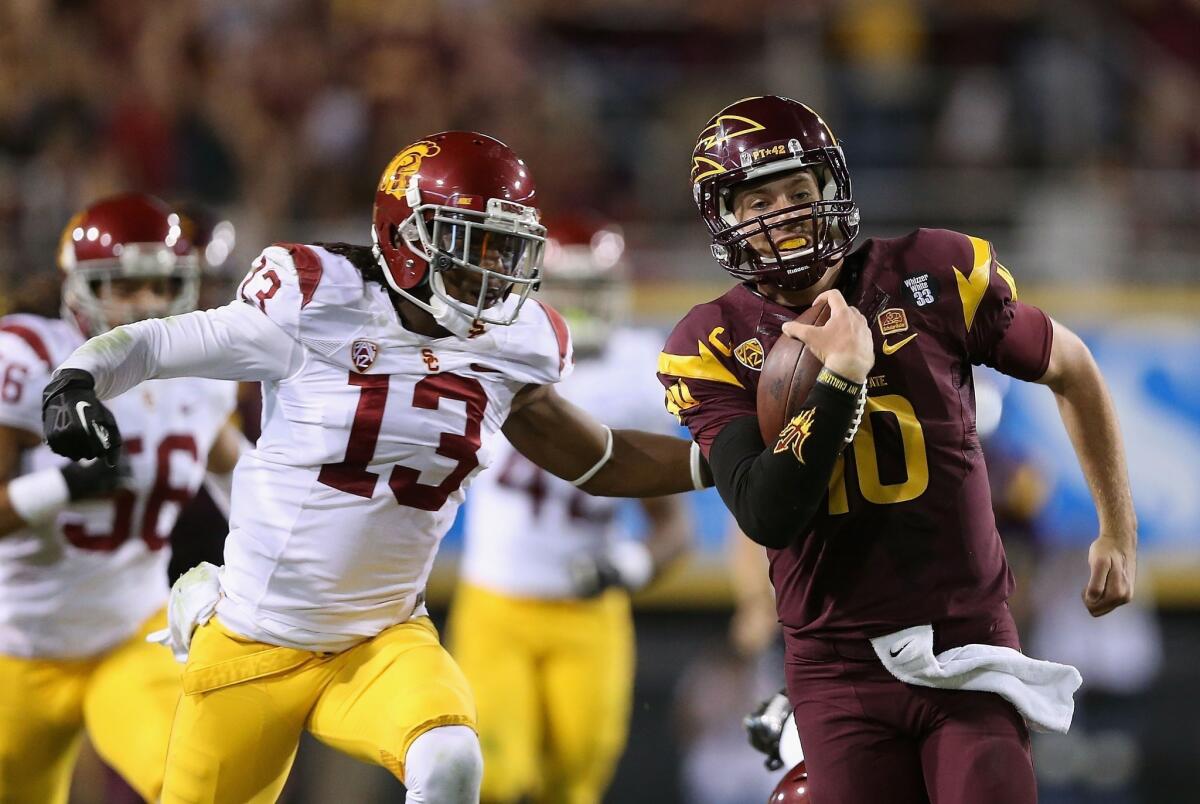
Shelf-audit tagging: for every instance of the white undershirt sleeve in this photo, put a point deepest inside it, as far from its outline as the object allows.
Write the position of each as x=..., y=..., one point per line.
x=234, y=342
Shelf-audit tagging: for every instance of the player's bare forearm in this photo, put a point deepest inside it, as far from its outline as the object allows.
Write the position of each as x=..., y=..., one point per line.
x=227, y=448
x=13, y=442
x=670, y=535
x=755, y=622
x=568, y=442
x=1090, y=419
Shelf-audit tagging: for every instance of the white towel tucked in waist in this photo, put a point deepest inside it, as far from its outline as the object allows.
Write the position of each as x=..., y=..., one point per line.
x=1041, y=691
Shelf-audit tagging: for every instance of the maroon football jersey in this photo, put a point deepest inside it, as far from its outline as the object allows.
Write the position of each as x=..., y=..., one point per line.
x=905, y=535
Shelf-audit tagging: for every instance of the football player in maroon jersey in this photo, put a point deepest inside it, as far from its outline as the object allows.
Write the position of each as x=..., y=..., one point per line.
x=895, y=529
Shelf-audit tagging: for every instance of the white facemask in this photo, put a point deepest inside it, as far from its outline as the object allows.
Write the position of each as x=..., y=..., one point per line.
x=448, y=317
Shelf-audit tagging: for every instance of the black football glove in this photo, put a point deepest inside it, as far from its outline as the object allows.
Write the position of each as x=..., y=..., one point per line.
x=75, y=422
x=95, y=478
x=764, y=727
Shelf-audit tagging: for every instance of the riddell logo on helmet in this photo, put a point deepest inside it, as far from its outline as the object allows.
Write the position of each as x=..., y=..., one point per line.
x=403, y=165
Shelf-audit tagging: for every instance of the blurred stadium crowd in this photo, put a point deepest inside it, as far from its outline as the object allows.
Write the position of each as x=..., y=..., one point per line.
x=1066, y=132
x=1064, y=124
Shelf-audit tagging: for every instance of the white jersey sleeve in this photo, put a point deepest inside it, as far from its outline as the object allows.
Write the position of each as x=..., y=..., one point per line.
x=23, y=375
x=234, y=342
x=537, y=346
x=30, y=348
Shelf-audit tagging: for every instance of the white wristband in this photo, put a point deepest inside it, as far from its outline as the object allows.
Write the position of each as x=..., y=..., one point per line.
x=633, y=563
x=694, y=464
x=590, y=473
x=37, y=497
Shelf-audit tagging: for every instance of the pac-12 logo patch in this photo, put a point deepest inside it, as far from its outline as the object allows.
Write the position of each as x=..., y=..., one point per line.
x=892, y=320
x=363, y=353
x=750, y=354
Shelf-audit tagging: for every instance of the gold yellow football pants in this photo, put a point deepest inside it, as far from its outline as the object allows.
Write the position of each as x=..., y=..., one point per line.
x=553, y=681
x=245, y=704
x=124, y=698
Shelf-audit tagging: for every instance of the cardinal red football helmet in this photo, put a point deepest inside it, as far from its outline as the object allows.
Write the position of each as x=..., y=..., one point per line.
x=128, y=236
x=586, y=277
x=759, y=137
x=792, y=788
x=459, y=206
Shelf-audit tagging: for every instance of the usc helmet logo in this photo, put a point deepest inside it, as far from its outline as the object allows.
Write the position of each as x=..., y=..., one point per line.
x=404, y=165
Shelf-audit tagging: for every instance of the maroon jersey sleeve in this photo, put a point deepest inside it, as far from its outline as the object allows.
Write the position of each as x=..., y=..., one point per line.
x=1000, y=331
x=701, y=378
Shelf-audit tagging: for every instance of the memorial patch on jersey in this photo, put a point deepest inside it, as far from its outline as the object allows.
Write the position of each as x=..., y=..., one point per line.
x=922, y=289
x=750, y=354
x=892, y=320
x=363, y=353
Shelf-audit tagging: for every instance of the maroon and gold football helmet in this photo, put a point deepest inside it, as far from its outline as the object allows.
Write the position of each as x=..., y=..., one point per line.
x=455, y=212
x=760, y=137
x=127, y=237
x=792, y=788
x=586, y=277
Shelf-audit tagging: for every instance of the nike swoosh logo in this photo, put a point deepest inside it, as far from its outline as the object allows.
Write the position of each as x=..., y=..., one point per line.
x=892, y=348
x=100, y=430
x=898, y=651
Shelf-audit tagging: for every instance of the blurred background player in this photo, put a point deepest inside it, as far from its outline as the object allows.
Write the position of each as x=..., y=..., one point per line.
x=541, y=622
x=83, y=558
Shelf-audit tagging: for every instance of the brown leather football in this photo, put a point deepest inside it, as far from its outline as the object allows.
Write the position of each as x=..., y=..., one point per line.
x=788, y=375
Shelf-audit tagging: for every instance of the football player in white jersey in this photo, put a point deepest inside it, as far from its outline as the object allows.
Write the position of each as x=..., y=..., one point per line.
x=83, y=564
x=541, y=622
x=387, y=373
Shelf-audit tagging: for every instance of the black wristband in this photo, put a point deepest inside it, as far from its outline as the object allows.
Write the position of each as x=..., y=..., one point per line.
x=837, y=382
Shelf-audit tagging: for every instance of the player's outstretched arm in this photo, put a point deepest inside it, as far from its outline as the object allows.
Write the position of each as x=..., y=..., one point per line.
x=234, y=342
x=1091, y=421
x=569, y=443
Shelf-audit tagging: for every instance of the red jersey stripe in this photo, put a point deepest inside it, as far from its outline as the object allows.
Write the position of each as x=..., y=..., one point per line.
x=33, y=339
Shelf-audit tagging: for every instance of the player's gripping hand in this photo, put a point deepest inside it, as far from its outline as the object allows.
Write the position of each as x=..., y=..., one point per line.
x=95, y=478
x=843, y=343
x=75, y=422
x=764, y=727
x=194, y=597
x=627, y=564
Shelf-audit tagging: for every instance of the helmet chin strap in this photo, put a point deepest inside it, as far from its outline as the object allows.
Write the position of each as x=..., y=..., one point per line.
x=446, y=315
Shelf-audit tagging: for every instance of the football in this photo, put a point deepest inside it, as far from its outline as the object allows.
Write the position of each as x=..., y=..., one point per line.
x=788, y=375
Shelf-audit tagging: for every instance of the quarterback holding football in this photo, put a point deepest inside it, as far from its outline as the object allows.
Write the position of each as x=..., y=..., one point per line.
x=902, y=660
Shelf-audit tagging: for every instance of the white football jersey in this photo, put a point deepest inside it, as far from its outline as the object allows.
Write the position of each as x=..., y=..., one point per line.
x=85, y=582
x=370, y=436
x=524, y=525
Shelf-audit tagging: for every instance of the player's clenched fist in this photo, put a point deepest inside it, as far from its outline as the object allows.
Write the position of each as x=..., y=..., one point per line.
x=843, y=344
x=75, y=422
